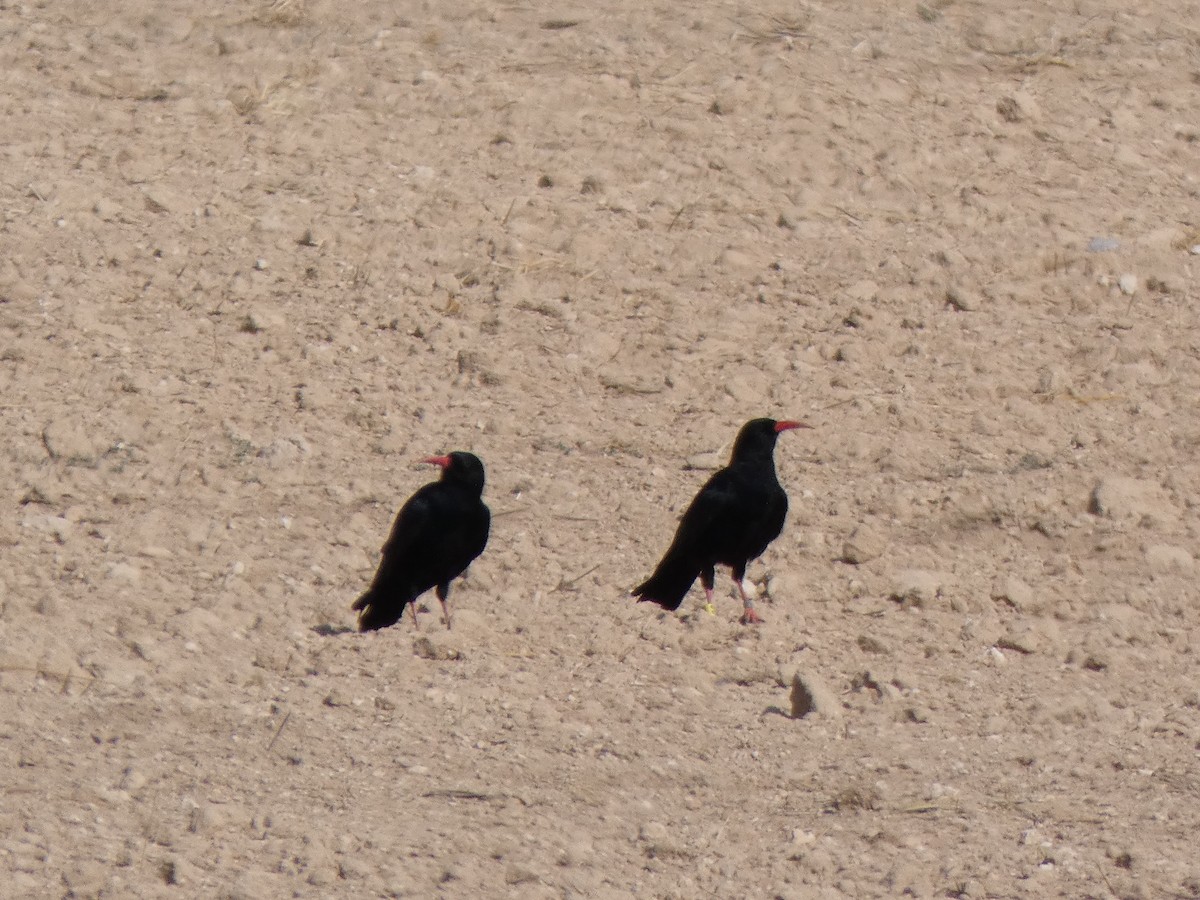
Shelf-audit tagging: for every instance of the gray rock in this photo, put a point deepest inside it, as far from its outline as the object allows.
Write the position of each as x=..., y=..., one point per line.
x=87, y=878
x=749, y=388
x=1165, y=559
x=863, y=291
x=1013, y=591
x=871, y=644
x=660, y=841
x=1028, y=638
x=178, y=871
x=1051, y=380
x=918, y=587
x=1009, y=109
x=961, y=299
x=848, y=353
x=652, y=832
x=43, y=491
x=1117, y=497
x=284, y=453
x=478, y=367
x=516, y=873
x=864, y=544
x=60, y=527
x=810, y=695
x=123, y=571
x=707, y=461
x=1092, y=658
x=910, y=878
x=260, y=319
x=106, y=209
x=918, y=714
x=437, y=646
x=785, y=585
x=314, y=397
x=158, y=199
x=864, y=49
x=746, y=260
x=627, y=382
x=69, y=441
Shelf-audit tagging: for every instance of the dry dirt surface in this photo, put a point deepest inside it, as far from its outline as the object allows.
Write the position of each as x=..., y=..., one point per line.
x=258, y=259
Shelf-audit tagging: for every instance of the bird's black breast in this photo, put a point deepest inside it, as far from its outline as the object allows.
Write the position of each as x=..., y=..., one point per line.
x=733, y=518
x=437, y=534
x=753, y=520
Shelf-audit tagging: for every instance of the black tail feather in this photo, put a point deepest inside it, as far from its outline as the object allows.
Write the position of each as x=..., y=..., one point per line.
x=668, y=585
x=375, y=612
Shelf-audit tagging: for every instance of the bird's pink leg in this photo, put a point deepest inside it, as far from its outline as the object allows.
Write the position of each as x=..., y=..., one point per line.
x=446, y=613
x=706, y=579
x=749, y=616
x=416, y=625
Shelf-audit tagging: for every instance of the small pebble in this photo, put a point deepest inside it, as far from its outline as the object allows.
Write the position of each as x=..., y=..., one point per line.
x=1128, y=284
x=1102, y=244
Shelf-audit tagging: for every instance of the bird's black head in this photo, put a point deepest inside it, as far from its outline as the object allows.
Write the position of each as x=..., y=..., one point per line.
x=462, y=468
x=757, y=437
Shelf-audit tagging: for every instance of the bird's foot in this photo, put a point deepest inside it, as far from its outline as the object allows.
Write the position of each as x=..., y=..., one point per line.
x=710, y=608
x=751, y=617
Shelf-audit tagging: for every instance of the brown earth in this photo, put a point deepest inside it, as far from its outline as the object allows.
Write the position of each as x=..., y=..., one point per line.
x=258, y=259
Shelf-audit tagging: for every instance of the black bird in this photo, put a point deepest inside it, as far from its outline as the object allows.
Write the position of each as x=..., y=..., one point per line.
x=737, y=513
x=437, y=534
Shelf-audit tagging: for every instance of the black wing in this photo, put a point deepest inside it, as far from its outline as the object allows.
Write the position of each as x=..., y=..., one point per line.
x=696, y=544
x=398, y=580
x=705, y=527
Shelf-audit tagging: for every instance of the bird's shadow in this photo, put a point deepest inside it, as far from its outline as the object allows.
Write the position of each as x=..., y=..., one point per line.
x=328, y=629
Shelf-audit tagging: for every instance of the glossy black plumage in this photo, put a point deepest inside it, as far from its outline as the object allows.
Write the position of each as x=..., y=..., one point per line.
x=438, y=532
x=733, y=518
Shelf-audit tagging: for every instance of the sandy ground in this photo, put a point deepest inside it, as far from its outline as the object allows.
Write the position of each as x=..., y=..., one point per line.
x=257, y=260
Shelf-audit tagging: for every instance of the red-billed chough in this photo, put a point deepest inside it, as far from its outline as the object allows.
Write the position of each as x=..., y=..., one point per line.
x=437, y=534
x=737, y=513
